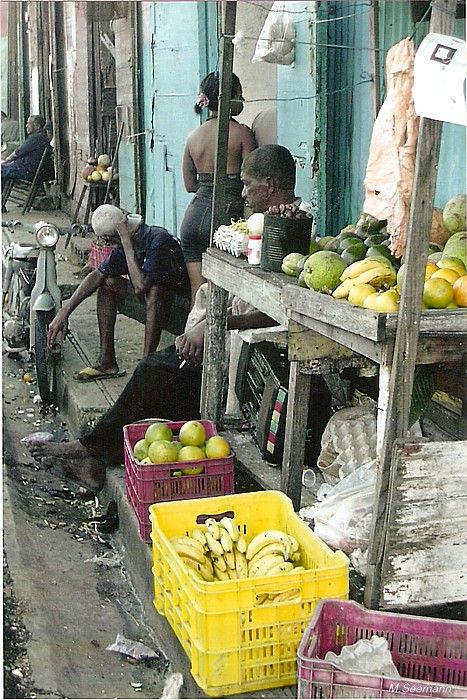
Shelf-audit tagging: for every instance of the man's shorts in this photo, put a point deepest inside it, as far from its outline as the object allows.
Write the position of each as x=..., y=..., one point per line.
x=134, y=307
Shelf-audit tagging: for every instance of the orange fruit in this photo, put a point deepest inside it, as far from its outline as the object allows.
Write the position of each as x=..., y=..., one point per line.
x=437, y=293
x=217, y=447
x=460, y=291
x=430, y=269
x=453, y=264
x=446, y=273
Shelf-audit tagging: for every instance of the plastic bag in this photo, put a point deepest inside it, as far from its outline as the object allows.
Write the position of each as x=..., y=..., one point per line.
x=343, y=520
x=39, y=438
x=135, y=650
x=276, y=41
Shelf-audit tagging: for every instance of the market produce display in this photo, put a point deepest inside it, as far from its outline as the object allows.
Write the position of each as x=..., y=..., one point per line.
x=358, y=267
x=98, y=169
x=218, y=551
x=160, y=447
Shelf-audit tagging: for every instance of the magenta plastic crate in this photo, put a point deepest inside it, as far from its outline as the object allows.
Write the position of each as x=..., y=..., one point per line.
x=151, y=483
x=429, y=654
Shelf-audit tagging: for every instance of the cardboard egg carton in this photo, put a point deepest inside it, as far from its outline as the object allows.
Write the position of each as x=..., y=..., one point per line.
x=348, y=441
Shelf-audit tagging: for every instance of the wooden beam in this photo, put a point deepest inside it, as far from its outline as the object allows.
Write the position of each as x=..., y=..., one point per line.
x=229, y=13
x=214, y=375
x=405, y=349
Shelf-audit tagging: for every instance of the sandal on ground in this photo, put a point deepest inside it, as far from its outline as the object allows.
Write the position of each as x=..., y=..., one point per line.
x=91, y=374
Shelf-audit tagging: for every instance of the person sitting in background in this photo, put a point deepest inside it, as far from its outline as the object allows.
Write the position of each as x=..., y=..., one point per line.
x=160, y=386
x=10, y=135
x=22, y=163
x=198, y=173
x=157, y=293
x=264, y=126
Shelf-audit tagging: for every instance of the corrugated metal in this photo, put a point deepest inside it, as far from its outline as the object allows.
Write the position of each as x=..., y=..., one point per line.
x=349, y=110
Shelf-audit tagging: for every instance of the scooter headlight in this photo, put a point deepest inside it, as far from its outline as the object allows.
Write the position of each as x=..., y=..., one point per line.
x=47, y=234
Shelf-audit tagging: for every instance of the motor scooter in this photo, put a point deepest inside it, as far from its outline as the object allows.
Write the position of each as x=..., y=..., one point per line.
x=31, y=299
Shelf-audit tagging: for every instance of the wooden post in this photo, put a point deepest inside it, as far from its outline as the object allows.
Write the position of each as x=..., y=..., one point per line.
x=405, y=349
x=214, y=374
x=225, y=92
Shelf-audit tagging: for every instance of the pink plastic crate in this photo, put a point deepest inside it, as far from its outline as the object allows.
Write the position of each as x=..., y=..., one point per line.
x=429, y=654
x=151, y=483
x=97, y=255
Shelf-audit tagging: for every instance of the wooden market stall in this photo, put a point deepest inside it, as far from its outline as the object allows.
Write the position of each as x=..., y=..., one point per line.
x=326, y=335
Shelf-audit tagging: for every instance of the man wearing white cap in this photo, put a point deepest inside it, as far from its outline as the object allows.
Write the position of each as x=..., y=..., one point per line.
x=156, y=293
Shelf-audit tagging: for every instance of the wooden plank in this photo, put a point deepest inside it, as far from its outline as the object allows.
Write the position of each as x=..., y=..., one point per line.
x=261, y=289
x=308, y=345
x=426, y=548
x=213, y=393
x=229, y=13
x=436, y=322
x=294, y=443
x=335, y=312
x=403, y=367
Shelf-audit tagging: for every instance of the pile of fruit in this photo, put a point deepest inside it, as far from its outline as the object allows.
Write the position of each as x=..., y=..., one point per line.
x=288, y=211
x=98, y=169
x=218, y=551
x=160, y=447
x=358, y=266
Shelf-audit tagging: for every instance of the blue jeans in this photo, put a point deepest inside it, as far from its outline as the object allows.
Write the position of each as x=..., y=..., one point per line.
x=16, y=171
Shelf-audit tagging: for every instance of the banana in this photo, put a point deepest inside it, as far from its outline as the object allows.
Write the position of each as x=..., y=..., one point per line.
x=377, y=276
x=219, y=563
x=356, y=268
x=241, y=565
x=285, y=596
x=225, y=540
x=213, y=528
x=295, y=557
x=342, y=291
x=229, y=558
x=204, y=570
x=299, y=568
x=278, y=569
x=263, y=566
x=190, y=541
x=261, y=598
x=294, y=543
x=264, y=538
x=221, y=575
x=232, y=574
x=198, y=534
x=186, y=550
x=214, y=545
x=271, y=548
x=241, y=544
x=229, y=525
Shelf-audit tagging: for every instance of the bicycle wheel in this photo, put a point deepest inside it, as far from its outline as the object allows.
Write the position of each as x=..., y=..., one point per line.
x=45, y=359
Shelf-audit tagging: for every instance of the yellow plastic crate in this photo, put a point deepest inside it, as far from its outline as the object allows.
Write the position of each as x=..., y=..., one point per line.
x=235, y=642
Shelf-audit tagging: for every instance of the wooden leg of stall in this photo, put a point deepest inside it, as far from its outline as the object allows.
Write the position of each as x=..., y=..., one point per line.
x=213, y=393
x=294, y=443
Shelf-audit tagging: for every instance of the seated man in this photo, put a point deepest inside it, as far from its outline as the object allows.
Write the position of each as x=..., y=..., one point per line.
x=22, y=163
x=157, y=293
x=10, y=135
x=160, y=387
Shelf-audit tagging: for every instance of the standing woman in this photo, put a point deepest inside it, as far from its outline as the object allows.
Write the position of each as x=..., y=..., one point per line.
x=198, y=173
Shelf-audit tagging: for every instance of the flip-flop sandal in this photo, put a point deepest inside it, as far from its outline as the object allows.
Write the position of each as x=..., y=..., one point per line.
x=91, y=374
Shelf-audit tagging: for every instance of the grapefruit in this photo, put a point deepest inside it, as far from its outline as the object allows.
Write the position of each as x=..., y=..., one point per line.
x=96, y=176
x=190, y=453
x=158, y=431
x=217, y=447
x=437, y=293
x=140, y=450
x=460, y=291
x=323, y=270
x=457, y=246
x=359, y=292
x=103, y=160
x=446, y=274
x=454, y=214
x=192, y=433
x=162, y=452
x=453, y=264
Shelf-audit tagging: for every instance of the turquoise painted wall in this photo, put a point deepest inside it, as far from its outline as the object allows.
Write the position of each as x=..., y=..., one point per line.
x=179, y=46
x=296, y=103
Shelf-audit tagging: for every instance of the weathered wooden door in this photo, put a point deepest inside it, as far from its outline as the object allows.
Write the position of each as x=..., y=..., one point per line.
x=178, y=48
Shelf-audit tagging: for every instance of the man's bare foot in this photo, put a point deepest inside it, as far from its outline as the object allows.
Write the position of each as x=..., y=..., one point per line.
x=87, y=472
x=67, y=450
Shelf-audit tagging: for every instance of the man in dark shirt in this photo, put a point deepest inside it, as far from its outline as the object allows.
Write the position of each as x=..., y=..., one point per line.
x=22, y=163
x=156, y=293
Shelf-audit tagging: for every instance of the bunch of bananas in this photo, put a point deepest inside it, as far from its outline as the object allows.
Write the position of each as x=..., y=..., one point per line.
x=378, y=272
x=218, y=551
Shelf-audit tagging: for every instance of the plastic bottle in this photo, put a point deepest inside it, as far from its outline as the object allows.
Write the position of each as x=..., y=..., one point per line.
x=254, y=249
